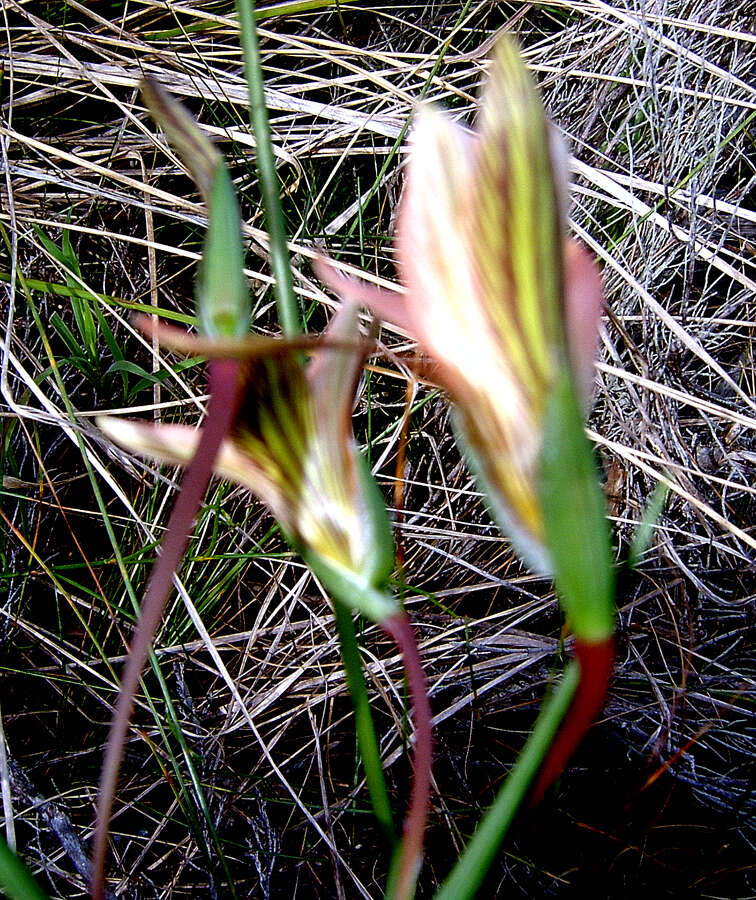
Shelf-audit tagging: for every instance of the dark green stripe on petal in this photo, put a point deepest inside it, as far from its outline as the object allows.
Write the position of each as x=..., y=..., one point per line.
x=517, y=233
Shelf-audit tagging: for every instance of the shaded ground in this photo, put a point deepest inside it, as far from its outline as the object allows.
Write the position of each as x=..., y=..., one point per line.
x=658, y=109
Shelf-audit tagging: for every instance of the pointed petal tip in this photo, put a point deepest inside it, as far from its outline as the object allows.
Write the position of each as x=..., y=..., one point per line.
x=431, y=119
x=437, y=139
x=173, y=444
x=387, y=305
x=119, y=430
x=198, y=153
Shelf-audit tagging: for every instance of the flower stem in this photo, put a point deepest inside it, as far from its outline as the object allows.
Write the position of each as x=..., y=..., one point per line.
x=366, y=738
x=286, y=302
x=596, y=660
x=471, y=868
x=224, y=382
x=404, y=873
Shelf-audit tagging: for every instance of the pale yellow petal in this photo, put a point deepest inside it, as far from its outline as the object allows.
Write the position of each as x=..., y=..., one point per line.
x=518, y=227
x=170, y=444
x=177, y=444
x=433, y=252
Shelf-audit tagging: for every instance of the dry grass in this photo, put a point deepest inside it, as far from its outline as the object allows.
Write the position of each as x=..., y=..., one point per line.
x=658, y=103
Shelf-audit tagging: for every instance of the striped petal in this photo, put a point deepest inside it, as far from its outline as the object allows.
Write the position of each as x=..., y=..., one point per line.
x=177, y=444
x=517, y=228
x=292, y=446
x=495, y=294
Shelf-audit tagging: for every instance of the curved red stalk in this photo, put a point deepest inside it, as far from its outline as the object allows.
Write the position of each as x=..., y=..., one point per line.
x=400, y=629
x=596, y=665
x=224, y=378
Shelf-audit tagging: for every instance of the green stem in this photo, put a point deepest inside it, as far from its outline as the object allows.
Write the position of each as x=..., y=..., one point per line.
x=363, y=717
x=471, y=868
x=288, y=309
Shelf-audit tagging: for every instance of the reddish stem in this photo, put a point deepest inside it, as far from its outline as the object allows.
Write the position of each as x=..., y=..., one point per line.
x=596, y=665
x=400, y=629
x=225, y=390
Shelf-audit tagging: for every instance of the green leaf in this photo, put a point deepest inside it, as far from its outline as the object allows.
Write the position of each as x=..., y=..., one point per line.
x=69, y=257
x=86, y=325
x=147, y=379
x=112, y=343
x=66, y=335
x=15, y=879
x=574, y=510
x=107, y=333
x=64, y=255
x=82, y=311
x=132, y=368
x=645, y=530
x=83, y=365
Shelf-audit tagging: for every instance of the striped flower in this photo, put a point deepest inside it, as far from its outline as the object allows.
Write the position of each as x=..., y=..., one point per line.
x=496, y=294
x=292, y=446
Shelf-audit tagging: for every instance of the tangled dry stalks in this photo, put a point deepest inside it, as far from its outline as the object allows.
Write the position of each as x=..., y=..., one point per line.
x=658, y=103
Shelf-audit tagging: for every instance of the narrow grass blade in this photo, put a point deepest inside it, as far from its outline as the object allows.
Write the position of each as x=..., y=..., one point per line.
x=645, y=531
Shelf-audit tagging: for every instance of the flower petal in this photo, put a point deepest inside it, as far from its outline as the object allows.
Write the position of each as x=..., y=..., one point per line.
x=387, y=305
x=503, y=453
x=172, y=444
x=177, y=444
x=333, y=375
x=583, y=299
x=517, y=231
x=433, y=251
x=334, y=371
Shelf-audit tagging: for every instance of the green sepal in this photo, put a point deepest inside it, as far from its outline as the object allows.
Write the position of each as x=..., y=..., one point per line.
x=363, y=591
x=223, y=304
x=383, y=551
x=350, y=589
x=574, y=511
x=197, y=151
